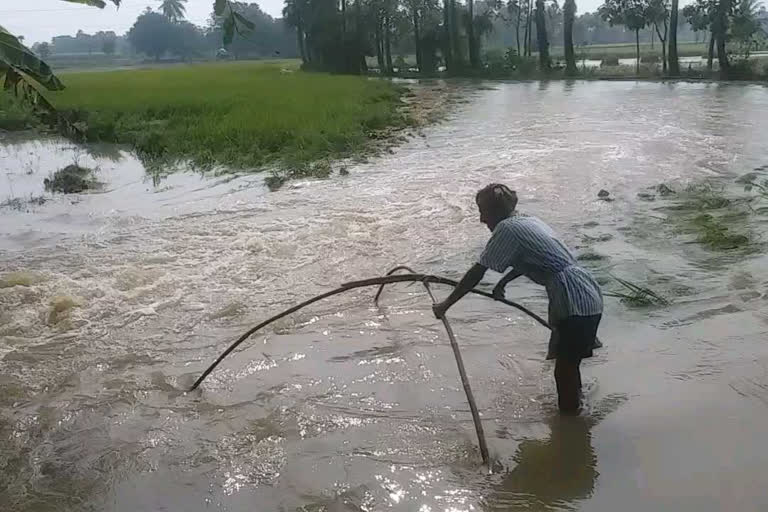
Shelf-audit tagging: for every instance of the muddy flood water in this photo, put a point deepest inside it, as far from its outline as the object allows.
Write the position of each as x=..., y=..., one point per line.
x=113, y=302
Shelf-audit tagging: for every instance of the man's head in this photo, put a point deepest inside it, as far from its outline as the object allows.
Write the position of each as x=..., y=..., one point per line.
x=496, y=202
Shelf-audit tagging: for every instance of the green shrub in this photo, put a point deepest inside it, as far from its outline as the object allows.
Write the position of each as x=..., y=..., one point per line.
x=650, y=58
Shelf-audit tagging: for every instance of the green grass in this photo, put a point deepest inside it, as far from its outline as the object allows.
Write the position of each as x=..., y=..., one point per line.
x=240, y=115
x=628, y=50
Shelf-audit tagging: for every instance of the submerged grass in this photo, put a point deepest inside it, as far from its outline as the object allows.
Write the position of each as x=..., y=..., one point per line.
x=704, y=210
x=237, y=115
x=635, y=295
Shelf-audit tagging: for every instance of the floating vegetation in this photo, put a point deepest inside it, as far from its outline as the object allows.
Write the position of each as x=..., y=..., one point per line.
x=636, y=295
x=714, y=233
x=19, y=204
x=701, y=197
x=71, y=180
x=704, y=210
x=605, y=237
x=278, y=178
x=664, y=190
x=591, y=256
x=60, y=307
x=19, y=278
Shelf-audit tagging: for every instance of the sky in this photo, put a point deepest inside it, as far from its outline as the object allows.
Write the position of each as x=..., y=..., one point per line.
x=39, y=20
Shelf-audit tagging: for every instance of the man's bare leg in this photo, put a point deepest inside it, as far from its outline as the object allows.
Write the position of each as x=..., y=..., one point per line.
x=568, y=382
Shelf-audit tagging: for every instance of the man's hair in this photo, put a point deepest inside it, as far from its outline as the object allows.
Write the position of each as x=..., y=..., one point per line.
x=498, y=198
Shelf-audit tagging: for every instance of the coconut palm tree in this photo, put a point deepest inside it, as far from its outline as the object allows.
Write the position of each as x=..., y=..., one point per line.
x=174, y=10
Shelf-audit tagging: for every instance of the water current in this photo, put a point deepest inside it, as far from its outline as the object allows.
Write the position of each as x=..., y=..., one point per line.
x=112, y=302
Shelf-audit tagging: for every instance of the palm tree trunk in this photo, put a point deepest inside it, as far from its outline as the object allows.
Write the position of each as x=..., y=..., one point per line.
x=674, y=62
x=379, y=47
x=517, y=27
x=569, y=14
x=455, y=50
x=360, y=37
x=711, y=52
x=530, y=28
x=541, y=35
x=447, y=37
x=526, y=39
x=720, y=28
x=388, y=44
x=637, y=43
x=343, y=17
x=417, y=40
x=474, y=60
x=300, y=43
x=722, y=55
x=662, y=40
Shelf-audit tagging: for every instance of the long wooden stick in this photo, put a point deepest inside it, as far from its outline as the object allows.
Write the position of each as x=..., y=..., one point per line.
x=464, y=382
x=459, y=363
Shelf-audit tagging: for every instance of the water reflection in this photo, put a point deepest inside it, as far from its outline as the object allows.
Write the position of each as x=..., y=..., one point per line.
x=553, y=472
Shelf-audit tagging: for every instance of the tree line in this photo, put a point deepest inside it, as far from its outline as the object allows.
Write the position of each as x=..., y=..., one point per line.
x=337, y=35
x=164, y=31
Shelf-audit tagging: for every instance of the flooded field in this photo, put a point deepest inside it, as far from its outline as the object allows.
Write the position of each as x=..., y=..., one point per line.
x=113, y=302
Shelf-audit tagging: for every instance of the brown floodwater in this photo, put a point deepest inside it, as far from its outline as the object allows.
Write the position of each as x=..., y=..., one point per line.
x=112, y=302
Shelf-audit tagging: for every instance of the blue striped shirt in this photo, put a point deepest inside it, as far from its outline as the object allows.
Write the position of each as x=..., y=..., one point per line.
x=530, y=246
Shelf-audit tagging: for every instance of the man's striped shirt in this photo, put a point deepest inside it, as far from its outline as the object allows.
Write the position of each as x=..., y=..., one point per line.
x=529, y=246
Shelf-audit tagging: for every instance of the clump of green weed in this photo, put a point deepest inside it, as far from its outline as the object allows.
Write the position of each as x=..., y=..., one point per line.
x=71, y=180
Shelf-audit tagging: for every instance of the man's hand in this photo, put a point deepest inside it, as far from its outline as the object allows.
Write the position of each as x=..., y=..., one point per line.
x=499, y=290
x=439, y=310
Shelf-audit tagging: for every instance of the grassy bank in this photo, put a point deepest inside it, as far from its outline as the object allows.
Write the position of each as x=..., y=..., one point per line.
x=239, y=115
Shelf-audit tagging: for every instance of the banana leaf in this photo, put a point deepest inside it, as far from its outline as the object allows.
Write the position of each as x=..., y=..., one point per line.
x=16, y=57
x=94, y=3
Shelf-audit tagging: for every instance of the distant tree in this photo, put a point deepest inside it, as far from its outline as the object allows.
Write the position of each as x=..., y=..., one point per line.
x=151, y=34
x=541, y=35
x=674, y=61
x=44, y=50
x=632, y=14
x=721, y=13
x=267, y=37
x=658, y=16
x=174, y=10
x=699, y=16
x=295, y=14
x=109, y=45
x=187, y=40
x=569, y=15
x=746, y=27
x=515, y=12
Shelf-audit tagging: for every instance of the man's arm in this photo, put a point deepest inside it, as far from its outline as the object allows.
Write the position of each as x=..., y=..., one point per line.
x=468, y=282
x=498, y=290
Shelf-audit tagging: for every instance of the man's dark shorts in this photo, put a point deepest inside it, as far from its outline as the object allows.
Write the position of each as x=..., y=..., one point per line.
x=574, y=338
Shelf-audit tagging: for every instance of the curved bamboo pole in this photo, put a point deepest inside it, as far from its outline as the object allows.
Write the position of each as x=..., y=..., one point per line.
x=343, y=288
